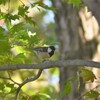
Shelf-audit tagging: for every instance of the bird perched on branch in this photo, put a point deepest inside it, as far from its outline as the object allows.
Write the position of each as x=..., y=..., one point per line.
x=45, y=52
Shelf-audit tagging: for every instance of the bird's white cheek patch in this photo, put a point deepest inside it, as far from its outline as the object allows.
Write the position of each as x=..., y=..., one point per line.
x=49, y=50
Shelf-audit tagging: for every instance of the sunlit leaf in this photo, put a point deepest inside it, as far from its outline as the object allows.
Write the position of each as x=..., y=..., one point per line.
x=4, y=46
x=93, y=94
x=54, y=71
x=1, y=30
x=22, y=10
x=3, y=1
x=17, y=27
x=30, y=20
x=87, y=75
x=74, y=2
x=20, y=58
x=67, y=88
x=1, y=15
x=2, y=86
x=43, y=5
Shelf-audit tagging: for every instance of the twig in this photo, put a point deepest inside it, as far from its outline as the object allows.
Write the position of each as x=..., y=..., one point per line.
x=9, y=78
x=26, y=81
x=12, y=79
x=52, y=64
x=21, y=2
x=8, y=6
x=80, y=97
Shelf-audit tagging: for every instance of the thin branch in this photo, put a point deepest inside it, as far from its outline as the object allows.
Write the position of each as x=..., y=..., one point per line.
x=21, y=2
x=12, y=79
x=9, y=78
x=80, y=97
x=26, y=81
x=8, y=6
x=52, y=64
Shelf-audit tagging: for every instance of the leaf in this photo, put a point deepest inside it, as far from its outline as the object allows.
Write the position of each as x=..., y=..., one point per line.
x=2, y=86
x=9, y=85
x=34, y=39
x=1, y=30
x=87, y=75
x=10, y=17
x=93, y=94
x=17, y=27
x=44, y=95
x=30, y=20
x=22, y=10
x=13, y=17
x=1, y=15
x=74, y=2
x=67, y=88
x=43, y=5
x=20, y=58
x=4, y=47
x=3, y=1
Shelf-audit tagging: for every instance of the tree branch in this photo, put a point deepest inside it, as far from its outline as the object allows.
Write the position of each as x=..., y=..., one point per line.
x=52, y=64
x=45, y=65
x=80, y=97
x=9, y=78
x=26, y=81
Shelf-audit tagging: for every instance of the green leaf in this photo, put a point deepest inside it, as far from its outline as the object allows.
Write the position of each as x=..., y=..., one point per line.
x=87, y=75
x=2, y=86
x=1, y=30
x=4, y=47
x=43, y=5
x=3, y=2
x=21, y=58
x=13, y=17
x=93, y=94
x=1, y=15
x=22, y=10
x=74, y=2
x=67, y=88
x=9, y=85
x=44, y=96
x=33, y=39
x=17, y=27
x=30, y=20
x=10, y=17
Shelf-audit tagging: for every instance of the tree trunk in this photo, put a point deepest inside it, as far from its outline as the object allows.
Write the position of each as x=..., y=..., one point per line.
x=67, y=29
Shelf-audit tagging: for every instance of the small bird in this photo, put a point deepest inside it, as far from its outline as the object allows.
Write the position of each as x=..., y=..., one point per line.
x=45, y=52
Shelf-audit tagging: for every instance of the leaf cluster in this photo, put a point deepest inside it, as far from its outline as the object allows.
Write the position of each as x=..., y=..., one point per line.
x=74, y=2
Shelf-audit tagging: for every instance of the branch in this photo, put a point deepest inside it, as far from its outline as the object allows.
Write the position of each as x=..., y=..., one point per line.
x=80, y=97
x=9, y=78
x=26, y=81
x=52, y=64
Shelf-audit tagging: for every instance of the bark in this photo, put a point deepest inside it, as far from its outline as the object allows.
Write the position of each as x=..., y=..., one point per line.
x=67, y=29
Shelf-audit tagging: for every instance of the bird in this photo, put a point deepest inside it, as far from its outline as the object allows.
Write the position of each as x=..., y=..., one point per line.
x=45, y=52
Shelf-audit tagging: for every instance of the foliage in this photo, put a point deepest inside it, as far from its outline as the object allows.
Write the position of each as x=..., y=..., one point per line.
x=87, y=75
x=93, y=94
x=74, y=2
x=68, y=86
x=18, y=37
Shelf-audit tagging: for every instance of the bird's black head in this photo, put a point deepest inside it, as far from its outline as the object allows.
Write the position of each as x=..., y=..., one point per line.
x=51, y=53
x=52, y=48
